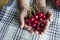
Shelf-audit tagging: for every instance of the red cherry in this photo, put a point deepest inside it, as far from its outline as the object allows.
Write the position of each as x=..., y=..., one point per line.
x=44, y=21
x=33, y=24
x=37, y=28
x=44, y=16
x=32, y=19
x=40, y=19
x=35, y=21
x=26, y=19
x=41, y=25
x=41, y=15
x=29, y=23
x=36, y=16
x=57, y=2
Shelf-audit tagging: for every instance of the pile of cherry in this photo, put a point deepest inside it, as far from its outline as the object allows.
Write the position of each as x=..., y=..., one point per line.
x=37, y=21
x=57, y=2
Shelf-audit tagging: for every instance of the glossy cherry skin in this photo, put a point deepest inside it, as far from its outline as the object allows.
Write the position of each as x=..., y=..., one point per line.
x=35, y=16
x=32, y=19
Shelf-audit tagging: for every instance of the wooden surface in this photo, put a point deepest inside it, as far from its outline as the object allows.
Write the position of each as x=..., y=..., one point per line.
x=3, y=2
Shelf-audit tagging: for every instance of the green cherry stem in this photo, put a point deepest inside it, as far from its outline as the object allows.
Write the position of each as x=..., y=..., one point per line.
x=30, y=15
x=33, y=10
x=36, y=8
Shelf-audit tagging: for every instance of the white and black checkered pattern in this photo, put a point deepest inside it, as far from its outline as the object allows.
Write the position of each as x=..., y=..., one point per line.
x=10, y=27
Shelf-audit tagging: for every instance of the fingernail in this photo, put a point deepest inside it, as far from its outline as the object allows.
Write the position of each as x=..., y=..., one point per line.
x=36, y=32
x=21, y=27
x=32, y=32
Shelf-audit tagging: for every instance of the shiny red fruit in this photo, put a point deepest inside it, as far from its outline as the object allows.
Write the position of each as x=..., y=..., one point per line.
x=57, y=2
x=31, y=19
x=37, y=21
x=33, y=24
x=26, y=19
x=35, y=16
x=37, y=27
x=41, y=14
x=29, y=23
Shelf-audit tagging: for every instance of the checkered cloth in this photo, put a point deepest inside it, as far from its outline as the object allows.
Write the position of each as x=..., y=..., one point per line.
x=10, y=26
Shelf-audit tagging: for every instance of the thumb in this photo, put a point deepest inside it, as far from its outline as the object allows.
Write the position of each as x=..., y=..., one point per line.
x=22, y=21
x=22, y=15
x=22, y=24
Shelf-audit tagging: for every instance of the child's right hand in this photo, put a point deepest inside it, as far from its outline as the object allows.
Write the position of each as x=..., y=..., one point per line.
x=25, y=4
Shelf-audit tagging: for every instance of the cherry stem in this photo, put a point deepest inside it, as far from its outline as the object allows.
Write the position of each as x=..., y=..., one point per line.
x=36, y=8
x=33, y=10
x=30, y=15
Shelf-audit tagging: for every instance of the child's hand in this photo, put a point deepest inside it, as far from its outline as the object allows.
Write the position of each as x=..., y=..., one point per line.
x=23, y=25
x=25, y=4
x=48, y=22
x=29, y=28
x=41, y=4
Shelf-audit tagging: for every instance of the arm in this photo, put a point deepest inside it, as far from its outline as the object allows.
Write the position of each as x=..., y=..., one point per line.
x=42, y=5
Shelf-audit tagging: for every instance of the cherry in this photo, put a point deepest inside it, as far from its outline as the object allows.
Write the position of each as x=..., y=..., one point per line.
x=57, y=2
x=35, y=16
x=29, y=23
x=43, y=23
x=40, y=19
x=31, y=19
x=40, y=14
x=37, y=28
x=26, y=19
x=47, y=16
x=33, y=24
x=36, y=21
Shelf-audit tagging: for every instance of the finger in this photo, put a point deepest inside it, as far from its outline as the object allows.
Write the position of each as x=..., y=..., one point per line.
x=41, y=31
x=29, y=28
x=22, y=21
x=46, y=27
x=22, y=24
x=36, y=32
x=50, y=16
x=22, y=15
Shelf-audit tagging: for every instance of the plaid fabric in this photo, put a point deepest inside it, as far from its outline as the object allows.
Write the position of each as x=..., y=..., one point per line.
x=10, y=27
